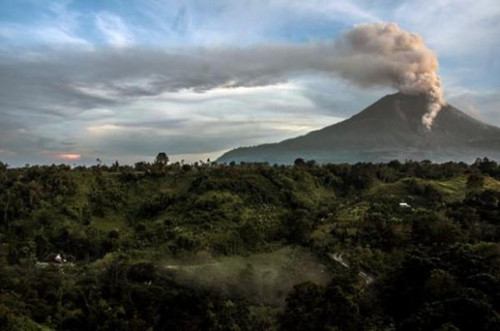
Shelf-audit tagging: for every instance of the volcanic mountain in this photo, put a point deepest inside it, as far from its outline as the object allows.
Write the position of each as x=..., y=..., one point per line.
x=389, y=129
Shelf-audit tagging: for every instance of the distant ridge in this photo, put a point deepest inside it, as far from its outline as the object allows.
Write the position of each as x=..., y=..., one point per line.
x=389, y=129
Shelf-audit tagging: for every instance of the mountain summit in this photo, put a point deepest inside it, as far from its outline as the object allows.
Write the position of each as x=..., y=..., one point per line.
x=389, y=129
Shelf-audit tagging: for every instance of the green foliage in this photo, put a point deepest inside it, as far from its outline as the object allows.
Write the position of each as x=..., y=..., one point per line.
x=475, y=183
x=335, y=307
x=434, y=265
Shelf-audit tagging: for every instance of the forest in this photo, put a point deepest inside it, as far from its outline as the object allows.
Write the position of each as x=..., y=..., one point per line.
x=250, y=246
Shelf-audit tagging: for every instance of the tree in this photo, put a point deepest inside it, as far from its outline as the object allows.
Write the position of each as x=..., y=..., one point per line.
x=141, y=166
x=162, y=159
x=3, y=167
x=115, y=166
x=299, y=162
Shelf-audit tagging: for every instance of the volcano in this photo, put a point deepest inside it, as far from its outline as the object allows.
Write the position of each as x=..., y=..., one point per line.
x=389, y=129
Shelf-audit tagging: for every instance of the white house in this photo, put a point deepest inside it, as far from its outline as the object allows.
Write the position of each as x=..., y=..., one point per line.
x=404, y=205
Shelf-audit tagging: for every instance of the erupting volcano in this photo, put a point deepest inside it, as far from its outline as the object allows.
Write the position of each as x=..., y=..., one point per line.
x=389, y=129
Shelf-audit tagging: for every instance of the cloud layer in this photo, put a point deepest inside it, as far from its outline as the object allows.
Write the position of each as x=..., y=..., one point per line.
x=377, y=54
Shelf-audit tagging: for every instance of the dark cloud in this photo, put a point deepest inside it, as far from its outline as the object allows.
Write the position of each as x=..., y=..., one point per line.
x=43, y=87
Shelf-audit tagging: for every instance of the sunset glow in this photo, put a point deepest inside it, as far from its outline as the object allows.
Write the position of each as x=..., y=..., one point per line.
x=69, y=157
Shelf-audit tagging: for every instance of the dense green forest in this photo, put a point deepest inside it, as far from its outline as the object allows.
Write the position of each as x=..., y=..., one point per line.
x=159, y=246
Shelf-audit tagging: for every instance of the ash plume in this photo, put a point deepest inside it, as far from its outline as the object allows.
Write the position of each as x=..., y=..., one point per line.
x=385, y=54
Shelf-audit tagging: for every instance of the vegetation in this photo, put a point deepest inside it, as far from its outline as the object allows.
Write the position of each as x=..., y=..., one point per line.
x=169, y=246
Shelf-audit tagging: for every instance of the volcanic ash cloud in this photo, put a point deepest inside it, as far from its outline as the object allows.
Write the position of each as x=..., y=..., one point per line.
x=384, y=54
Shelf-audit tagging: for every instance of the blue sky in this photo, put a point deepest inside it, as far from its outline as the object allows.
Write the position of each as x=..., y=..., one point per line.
x=79, y=79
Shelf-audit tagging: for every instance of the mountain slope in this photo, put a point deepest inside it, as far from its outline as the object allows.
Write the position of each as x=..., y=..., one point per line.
x=389, y=129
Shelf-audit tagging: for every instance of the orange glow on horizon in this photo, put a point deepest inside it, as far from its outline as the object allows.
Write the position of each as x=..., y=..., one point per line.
x=69, y=157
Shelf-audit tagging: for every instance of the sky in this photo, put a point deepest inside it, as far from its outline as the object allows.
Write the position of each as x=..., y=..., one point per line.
x=124, y=80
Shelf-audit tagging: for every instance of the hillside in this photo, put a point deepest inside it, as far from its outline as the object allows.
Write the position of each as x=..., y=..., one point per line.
x=389, y=129
x=250, y=247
